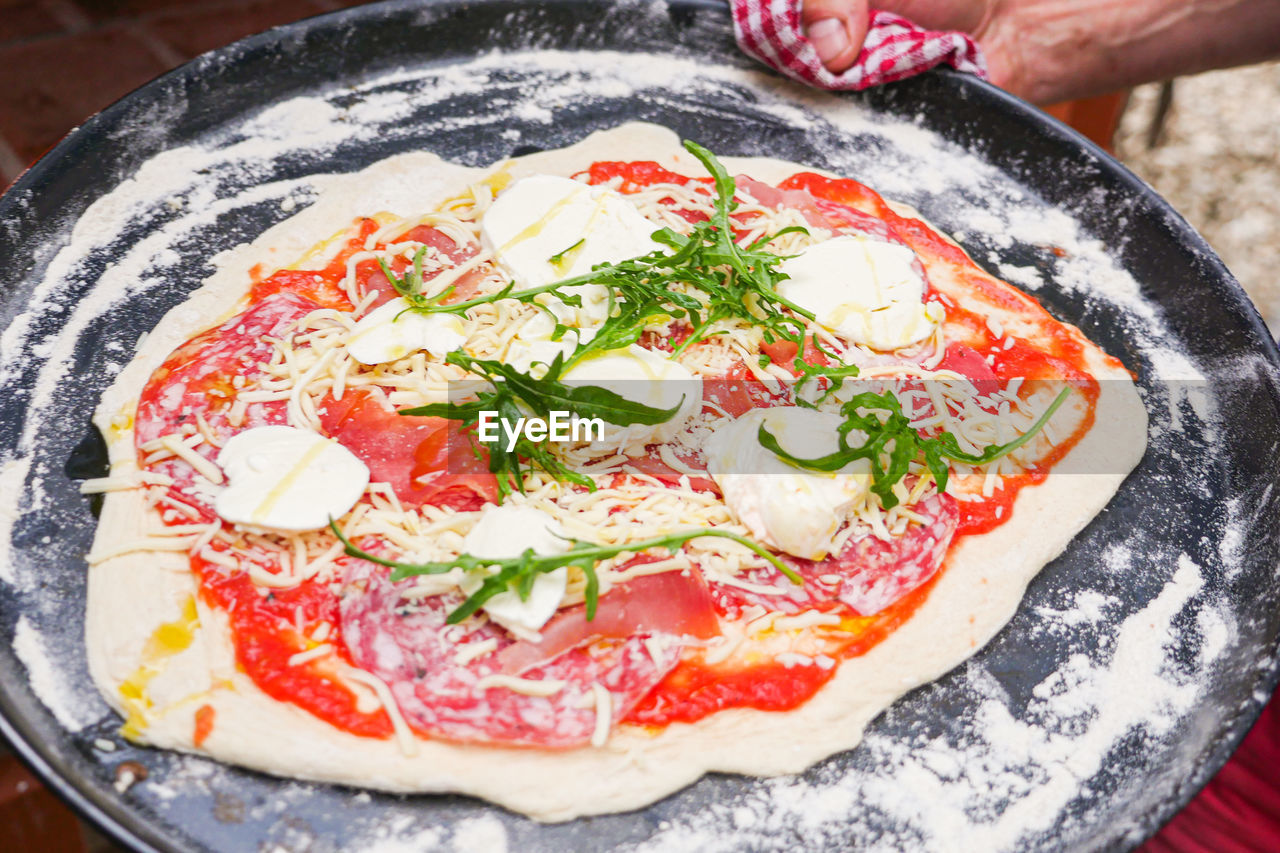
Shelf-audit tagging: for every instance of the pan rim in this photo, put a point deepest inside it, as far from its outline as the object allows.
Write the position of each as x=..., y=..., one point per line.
x=128, y=828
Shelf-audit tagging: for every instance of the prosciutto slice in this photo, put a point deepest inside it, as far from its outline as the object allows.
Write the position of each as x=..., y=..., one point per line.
x=424, y=460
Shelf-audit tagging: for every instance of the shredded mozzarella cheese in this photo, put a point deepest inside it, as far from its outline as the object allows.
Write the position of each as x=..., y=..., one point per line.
x=524, y=686
x=604, y=714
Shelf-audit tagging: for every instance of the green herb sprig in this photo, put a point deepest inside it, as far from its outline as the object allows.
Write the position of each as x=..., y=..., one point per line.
x=891, y=436
x=734, y=282
x=558, y=257
x=514, y=394
x=411, y=286
x=727, y=281
x=835, y=373
x=520, y=572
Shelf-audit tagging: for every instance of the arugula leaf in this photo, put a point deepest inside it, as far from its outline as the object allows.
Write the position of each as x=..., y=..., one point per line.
x=558, y=257
x=769, y=238
x=728, y=282
x=950, y=448
x=550, y=394
x=522, y=569
x=410, y=285
x=894, y=438
x=514, y=394
x=835, y=373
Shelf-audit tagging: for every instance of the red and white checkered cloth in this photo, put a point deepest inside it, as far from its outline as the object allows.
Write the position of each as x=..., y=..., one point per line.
x=770, y=31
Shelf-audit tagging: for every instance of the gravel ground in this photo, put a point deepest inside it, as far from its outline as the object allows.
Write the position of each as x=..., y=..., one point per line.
x=1218, y=162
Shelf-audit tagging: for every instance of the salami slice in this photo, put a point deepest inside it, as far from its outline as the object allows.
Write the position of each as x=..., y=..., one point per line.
x=739, y=391
x=914, y=394
x=201, y=379
x=441, y=694
x=867, y=576
x=969, y=363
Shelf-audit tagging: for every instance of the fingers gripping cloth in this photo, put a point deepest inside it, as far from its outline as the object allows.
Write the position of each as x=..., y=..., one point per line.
x=770, y=31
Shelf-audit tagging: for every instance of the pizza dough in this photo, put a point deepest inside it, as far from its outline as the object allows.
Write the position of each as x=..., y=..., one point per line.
x=134, y=590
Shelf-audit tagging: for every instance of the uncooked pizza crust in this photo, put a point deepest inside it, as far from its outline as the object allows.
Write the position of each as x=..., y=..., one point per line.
x=133, y=593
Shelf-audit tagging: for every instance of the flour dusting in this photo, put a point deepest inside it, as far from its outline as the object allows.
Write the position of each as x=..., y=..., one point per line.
x=46, y=679
x=1009, y=775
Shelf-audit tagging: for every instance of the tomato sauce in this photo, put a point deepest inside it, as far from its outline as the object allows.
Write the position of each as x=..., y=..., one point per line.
x=205, y=716
x=695, y=689
x=325, y=285
x=265, y=633
x=269, y=628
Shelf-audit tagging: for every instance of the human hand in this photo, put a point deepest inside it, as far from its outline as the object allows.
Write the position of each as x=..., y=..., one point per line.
x=837, y=29
x=1055, y=50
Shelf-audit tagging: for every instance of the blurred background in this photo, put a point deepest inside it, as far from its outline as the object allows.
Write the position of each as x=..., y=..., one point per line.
x=1212, y=149
x=1210, y=144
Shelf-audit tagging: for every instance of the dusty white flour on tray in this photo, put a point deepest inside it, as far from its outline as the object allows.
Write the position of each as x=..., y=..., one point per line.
x=1002, y=772
x=977, y=798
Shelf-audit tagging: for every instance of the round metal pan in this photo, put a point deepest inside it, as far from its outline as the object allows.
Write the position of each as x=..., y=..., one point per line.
x=1202, y=497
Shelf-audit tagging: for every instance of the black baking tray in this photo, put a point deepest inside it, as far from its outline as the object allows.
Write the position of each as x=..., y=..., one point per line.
x=1178, y=508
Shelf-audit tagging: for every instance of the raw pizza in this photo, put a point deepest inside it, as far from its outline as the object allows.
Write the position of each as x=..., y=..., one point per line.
x=829, y=452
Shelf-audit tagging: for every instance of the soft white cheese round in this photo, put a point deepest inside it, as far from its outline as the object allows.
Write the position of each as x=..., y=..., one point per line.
x=866, y=291
x=543, y=217
x=532, y=344
x=789, y=508
x=645, y=377
x=523, y=355
x=507, y=531
x=285, y=478
x=390, y=332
